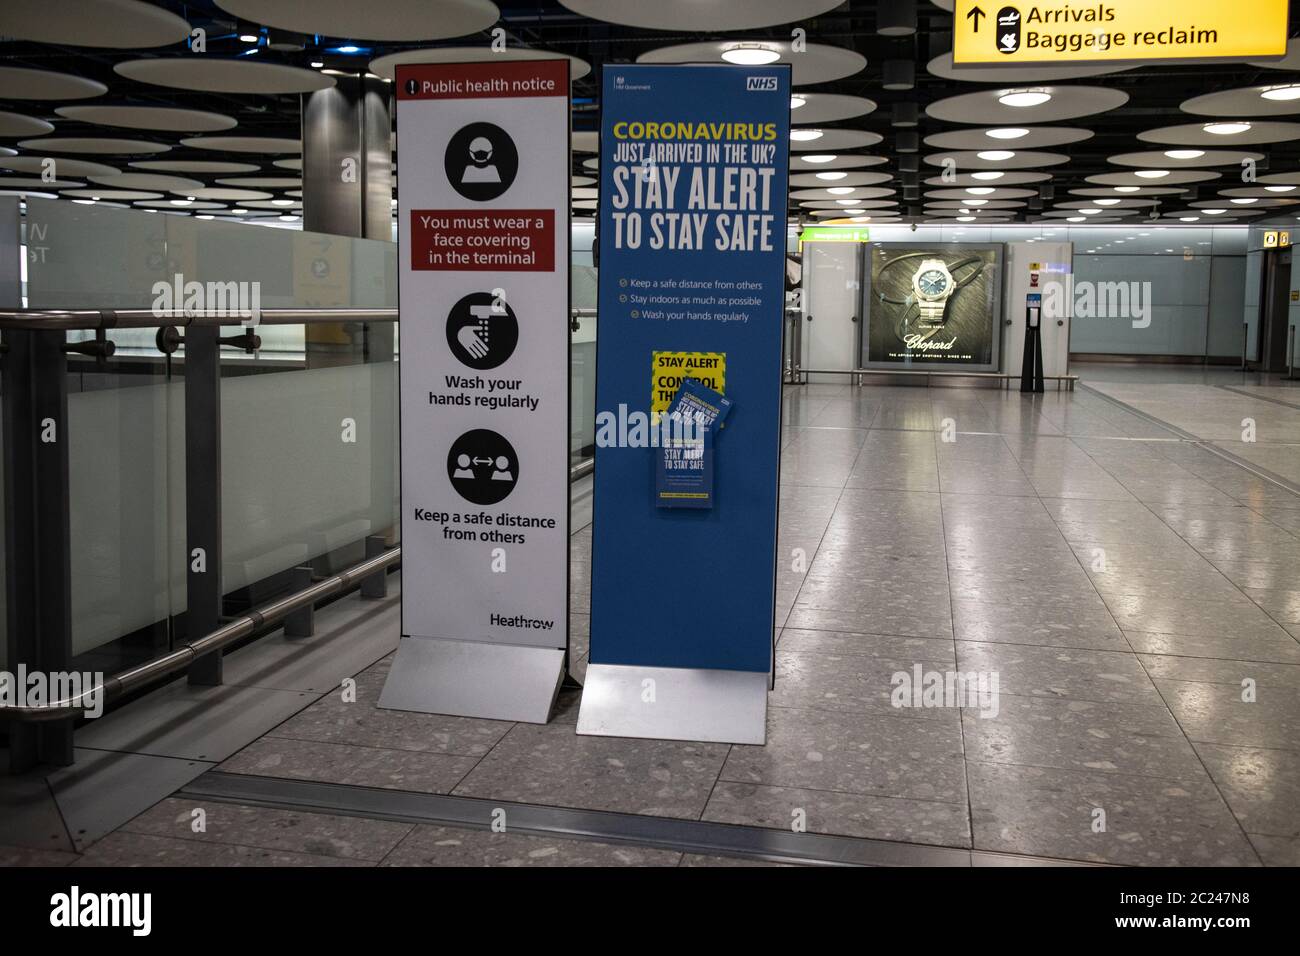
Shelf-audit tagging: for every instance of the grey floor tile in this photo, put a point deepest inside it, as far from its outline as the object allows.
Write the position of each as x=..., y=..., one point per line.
x=448, y=846
x=845, y=814
x=1221, y=671
x=1276, y=647
x=856, y=753
x=1149, y=821
x=1216, y=714
x=344, y=763
x=1082, y=735
x=123, y=849
x=551, y=765
x=892, y=646
x=29, y=814
x=268, y=828
x=1047, y=626
x=27, y=856
x=697, y=860
x=1262, y=787
x=1059, y=672
x=849, y=682
x=1276, y=851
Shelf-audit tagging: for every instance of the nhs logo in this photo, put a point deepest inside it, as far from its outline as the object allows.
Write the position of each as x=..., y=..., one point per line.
x=760, y=84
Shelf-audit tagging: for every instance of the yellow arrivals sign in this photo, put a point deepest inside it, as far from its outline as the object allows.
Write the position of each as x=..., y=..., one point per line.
x=993, y=31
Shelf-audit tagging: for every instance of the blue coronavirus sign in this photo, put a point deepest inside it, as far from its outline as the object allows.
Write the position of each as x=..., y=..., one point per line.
x=692, y=237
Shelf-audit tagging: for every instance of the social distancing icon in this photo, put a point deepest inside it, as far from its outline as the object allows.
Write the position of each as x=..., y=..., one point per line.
x=482, y=466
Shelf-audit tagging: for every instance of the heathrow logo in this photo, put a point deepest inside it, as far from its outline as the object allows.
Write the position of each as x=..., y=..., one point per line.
x=761, y=84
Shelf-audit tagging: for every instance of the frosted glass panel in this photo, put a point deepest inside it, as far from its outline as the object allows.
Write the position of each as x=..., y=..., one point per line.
x=292, y=487
x=127, y=472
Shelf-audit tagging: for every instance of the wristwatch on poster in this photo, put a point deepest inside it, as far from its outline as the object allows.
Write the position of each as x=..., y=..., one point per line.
x=934, y=286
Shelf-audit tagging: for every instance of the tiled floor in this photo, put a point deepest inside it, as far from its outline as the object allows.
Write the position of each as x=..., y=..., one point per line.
x=1135, y=595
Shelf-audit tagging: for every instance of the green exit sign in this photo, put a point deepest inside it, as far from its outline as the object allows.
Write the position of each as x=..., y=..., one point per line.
x=834, y=234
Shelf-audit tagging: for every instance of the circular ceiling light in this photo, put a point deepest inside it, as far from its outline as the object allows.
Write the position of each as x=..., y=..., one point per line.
x=1007, y=132
x=1280, y=189
x=1076, y=219
x=1283, y=93
x=1184, y=153
x=996, y=155
x=1243, y=202
x=1090, y=212
x=750, y=54
x=847, y=202
x=832, y=176
x=1128, y=189
x=1152, y=173
x=1024, y=98
x=797, y=101
x=1226, y=129
x=1108, y=202
x=819, y=158
x=987, y=176
x=856, y=212
x=248, y=38
x=965, y=218
x=805, y=135
x=1189, y=219
x=1214, y=212
x=980, y=190
x=973, y=202
x=840, y=190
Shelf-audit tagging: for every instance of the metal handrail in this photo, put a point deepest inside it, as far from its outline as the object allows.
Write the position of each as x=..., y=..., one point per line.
x=234, y=630
x=69, y=320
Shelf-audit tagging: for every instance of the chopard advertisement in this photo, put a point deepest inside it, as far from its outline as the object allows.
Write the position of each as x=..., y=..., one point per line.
x=933, y=306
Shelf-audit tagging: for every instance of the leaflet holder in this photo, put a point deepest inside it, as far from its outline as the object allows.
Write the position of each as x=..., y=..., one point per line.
x=1031, y=371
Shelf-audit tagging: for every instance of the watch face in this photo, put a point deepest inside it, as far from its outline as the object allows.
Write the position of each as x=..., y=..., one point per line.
x=932, y=282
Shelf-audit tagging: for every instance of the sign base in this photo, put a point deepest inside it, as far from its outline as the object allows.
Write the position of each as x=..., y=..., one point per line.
x=494, y=681
x=709, y=706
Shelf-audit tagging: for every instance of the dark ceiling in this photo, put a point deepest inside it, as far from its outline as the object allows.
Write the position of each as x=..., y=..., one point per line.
x=1155, y=92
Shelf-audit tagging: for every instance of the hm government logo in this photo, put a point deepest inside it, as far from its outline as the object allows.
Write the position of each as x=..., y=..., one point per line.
x=760, y=84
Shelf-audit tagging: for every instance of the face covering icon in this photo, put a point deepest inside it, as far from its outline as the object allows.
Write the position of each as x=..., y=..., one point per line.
x=481, y=169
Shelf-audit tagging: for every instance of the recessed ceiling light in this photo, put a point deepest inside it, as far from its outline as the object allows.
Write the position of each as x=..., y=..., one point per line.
x=797, y=101
x=750, y=54
x=1244, y=202
x=831, y=175
x=1189, y=218
x=1291, y=92
x=84, y=202
x=1184, y=153
x=1007, y=132
x=973, y=202
x=995, y=155
x=980, y=190
x=965, y=218
x=1127, y=189
x=181, y=202
x=855, y=212
x=288, y=218
x=1025, y=98
x=840, y=190
x=987, y=176
x=248, y=38
x=1226, y=129
x=862, y=219
x=349, y=49
x=1090, y=212
x=819, y=159
x=1280, y=189
x=1152, y=173
x=805, y=135
x=240, y=212
x=281, y=202
x=1214, y=212
x=1077, y=219
x=848, y=202
x=315, y=65
x=1107, y=202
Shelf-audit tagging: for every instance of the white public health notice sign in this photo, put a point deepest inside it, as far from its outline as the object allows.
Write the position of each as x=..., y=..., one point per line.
x=483, y=245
